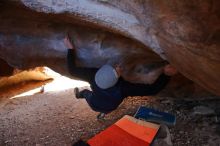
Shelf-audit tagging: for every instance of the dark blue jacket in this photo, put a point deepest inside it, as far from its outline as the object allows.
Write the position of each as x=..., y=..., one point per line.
x=109, y=99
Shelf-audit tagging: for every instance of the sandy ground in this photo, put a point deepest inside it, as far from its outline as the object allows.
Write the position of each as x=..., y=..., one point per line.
x=59, y=119
x=53, y=118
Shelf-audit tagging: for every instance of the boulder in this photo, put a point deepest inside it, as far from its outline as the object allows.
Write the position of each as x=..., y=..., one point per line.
x=184, y=33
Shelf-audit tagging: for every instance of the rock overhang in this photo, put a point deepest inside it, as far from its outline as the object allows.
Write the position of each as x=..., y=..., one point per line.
x=184, y=33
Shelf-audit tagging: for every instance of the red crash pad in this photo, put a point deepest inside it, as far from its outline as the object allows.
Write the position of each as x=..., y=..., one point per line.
x=128, y=131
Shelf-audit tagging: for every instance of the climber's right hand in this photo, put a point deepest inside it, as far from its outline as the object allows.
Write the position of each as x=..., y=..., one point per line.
x=67, y=42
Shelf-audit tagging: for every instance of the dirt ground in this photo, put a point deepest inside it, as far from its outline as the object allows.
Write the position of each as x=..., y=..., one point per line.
x=57, y=118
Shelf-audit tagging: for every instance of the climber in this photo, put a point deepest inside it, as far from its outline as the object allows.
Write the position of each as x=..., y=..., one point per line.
x=108, y=88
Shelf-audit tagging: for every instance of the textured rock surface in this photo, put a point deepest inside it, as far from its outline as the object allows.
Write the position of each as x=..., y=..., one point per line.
x=186, y=33
x=37, y=74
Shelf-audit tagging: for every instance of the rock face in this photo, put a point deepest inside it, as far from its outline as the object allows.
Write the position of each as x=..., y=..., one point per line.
x=140, y=33
x=37, y=74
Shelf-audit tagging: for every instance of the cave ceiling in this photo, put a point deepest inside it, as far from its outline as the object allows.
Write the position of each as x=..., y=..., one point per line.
x=139, y=32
